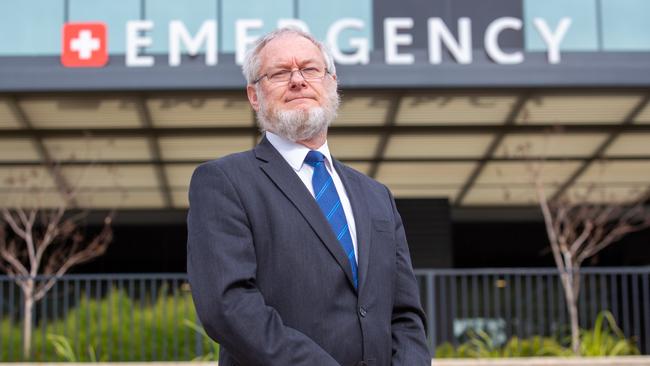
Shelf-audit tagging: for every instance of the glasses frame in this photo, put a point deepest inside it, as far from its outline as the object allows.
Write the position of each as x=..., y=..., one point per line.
x=266, y=75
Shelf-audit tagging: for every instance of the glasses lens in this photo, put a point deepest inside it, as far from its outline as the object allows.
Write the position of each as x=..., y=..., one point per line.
x=308, y=73
x=311, y=73
x=280, y=76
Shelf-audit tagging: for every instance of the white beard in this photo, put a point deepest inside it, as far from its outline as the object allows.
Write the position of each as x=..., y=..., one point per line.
x=301, y=124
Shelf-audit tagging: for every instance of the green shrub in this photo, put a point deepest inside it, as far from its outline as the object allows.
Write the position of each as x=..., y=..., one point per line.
x=445, y=350
x=63, y=348
x=115, y=328
x=534, y=347
x=480, y=345
x=213, y=355
x=605, y=339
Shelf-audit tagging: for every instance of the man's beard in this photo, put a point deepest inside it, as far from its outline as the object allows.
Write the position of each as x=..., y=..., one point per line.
x=300, y=124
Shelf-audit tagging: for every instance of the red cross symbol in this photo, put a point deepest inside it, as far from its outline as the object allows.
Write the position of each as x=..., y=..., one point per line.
x=84, y=45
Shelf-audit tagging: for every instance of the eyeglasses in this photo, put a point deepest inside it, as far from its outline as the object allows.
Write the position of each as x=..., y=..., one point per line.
x=283, y=76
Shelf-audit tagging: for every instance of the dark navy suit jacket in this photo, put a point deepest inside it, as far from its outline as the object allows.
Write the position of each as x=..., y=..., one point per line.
x=272, y=284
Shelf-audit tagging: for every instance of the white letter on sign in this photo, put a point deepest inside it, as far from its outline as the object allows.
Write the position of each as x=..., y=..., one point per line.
x=207, y=34
x=392, y=40
x=492, y=41
x=243, y=40
x=439, y=33
x=552, y=39
x=134, y=42
x=361, y=55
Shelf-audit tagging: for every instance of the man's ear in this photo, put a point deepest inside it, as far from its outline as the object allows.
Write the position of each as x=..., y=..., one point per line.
x=251, y=91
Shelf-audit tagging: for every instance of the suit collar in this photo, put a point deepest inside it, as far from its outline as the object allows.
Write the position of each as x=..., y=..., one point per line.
x=282, y=175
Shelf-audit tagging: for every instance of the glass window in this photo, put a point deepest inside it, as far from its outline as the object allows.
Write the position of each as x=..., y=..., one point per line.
x=626, y=25
x=191, y=12
x=31, y=27
x=115, y=13
x=320, y=16
x=268, y=11
x=582, y=34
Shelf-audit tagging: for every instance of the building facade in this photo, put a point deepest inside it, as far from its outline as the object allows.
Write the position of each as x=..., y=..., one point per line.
x=446, y=102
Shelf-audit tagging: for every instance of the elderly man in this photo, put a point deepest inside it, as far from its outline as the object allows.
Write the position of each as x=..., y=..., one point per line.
x=293, y=257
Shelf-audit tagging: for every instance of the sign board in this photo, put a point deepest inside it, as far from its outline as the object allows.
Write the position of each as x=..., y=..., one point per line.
x=406, y=44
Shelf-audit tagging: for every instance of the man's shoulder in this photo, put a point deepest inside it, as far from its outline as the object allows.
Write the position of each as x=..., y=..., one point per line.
x=229, y=165
x=230, y=161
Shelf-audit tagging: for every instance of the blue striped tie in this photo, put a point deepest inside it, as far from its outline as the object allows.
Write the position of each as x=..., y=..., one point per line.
x=330, y=203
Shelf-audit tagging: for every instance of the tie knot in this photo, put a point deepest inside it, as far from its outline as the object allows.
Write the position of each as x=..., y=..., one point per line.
x=314, y=157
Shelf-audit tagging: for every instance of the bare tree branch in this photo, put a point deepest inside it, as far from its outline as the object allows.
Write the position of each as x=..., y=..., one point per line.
x=578, y=227
x=95, y=248
x=45, y=241
x=8, y=253
x=584, y=235
x=9, y=218
x=550, y=228
x=52, y=231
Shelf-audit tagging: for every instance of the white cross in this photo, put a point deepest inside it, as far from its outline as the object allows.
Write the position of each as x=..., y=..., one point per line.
x=85, y=44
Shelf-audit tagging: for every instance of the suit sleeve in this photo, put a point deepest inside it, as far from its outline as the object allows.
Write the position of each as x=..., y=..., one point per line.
x=408, y=320
x=221, y=265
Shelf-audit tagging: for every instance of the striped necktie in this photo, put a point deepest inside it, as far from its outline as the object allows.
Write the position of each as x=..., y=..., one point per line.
x=329, y=202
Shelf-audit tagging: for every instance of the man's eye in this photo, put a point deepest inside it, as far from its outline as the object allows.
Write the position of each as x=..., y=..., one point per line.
x=310, y=71
x=279, y=74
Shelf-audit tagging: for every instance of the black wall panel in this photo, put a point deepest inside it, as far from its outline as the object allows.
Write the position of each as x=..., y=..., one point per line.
x=428, y=230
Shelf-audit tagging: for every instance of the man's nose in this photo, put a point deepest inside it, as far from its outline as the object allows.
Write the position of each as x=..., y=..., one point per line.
x=296, y=80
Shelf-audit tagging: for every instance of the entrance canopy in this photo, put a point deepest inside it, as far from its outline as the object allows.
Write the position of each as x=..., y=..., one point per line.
x=133, y=150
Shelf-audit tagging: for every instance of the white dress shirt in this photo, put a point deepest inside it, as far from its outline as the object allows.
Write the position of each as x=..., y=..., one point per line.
x=295, y=154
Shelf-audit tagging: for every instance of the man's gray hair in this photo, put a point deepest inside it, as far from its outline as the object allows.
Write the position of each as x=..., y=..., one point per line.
x=251, y=65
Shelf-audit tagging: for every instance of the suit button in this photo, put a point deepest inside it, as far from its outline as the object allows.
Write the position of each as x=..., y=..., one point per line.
x=362, y=311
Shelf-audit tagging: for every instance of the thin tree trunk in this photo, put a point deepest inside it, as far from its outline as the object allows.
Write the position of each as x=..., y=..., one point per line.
x=572, y=306
x=28, y=309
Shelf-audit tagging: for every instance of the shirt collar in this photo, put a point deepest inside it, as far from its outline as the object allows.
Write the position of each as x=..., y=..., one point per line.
x=295, y=153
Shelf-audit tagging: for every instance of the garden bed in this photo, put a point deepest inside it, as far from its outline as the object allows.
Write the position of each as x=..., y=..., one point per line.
x=548, y=361
x=533, y=361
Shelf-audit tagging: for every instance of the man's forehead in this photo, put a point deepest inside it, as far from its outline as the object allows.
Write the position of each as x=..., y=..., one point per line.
x=287, y=48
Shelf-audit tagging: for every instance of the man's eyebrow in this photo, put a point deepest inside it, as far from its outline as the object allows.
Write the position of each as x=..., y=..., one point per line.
x=286, y=65
x=310, y=61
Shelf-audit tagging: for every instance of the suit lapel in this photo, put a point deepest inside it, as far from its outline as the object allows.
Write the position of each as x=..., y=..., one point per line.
x=283, y=176
x=361, y=214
